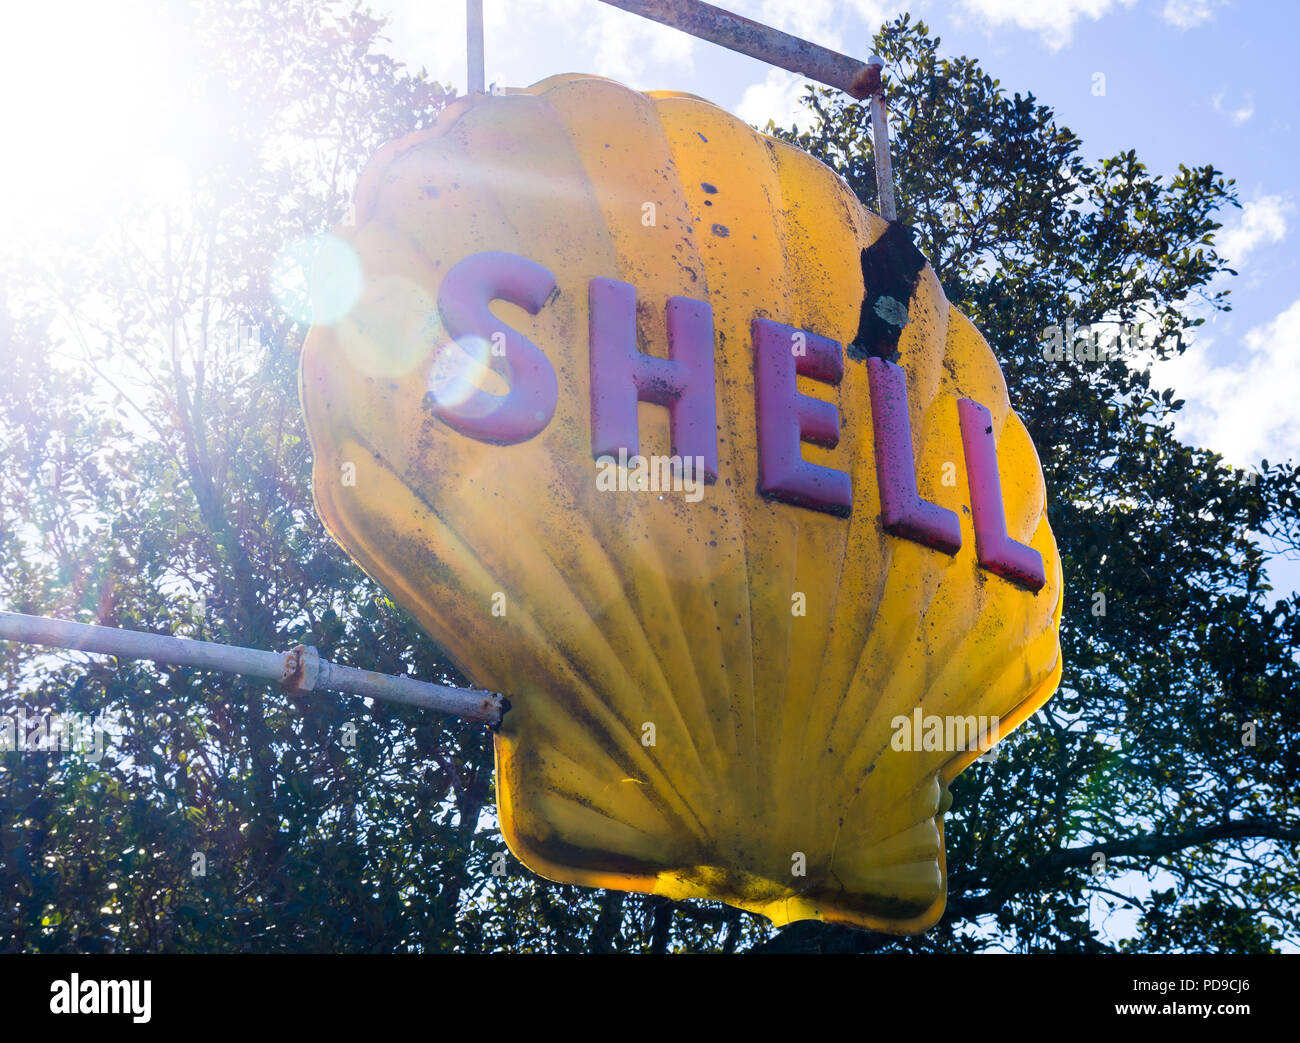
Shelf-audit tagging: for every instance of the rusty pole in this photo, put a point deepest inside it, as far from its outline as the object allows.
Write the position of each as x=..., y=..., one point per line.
x=860, y=80
x=737, y=33
x=880, y=142
x=298, y=670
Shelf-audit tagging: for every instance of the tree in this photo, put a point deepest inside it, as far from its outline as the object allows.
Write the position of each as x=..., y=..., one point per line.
x=156, y=477
x=1140, y=757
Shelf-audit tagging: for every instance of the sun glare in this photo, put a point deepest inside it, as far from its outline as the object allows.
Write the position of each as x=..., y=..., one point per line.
x=317, y=279
x=85, y=112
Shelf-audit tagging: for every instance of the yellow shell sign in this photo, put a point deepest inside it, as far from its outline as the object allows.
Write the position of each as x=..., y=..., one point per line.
x=661, y=434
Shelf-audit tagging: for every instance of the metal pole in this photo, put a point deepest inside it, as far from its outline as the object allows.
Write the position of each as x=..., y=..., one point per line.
x=756, y=40
x=474, y=46
x=861, y=80
x=880, y=143
x=298, y=670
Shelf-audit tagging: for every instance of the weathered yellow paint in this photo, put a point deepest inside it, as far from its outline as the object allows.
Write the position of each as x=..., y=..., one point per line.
x=772, y=730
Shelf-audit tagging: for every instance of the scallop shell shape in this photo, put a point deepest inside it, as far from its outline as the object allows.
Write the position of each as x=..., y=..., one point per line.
x=676, y=726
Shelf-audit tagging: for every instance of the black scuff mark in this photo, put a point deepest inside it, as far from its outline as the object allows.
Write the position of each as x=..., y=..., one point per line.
x=891, y=267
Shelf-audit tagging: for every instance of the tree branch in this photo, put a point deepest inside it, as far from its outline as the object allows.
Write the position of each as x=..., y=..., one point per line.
x=1153, y=846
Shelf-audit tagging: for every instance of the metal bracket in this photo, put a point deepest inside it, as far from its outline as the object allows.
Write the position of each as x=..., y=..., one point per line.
x=301, y=669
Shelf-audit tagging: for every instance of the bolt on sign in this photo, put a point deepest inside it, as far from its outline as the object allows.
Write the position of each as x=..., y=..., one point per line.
x=663, y=435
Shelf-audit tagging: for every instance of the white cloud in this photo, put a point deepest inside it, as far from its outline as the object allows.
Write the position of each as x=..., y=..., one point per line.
x=1244, y=409
x=1241, y=113
x=1187, y=14
x=1053, y=19
x=777, y=95
x=520, y=34
x=810, y=19
x=625, y=46
x=1263, y=221
x=821, y=21
x=429, y=36
x=776, y=98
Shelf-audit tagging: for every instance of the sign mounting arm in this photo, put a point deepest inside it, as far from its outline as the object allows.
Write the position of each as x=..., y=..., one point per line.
x=860, y=80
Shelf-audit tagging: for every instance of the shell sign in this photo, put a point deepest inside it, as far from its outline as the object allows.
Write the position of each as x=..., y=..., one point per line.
x=662, y=435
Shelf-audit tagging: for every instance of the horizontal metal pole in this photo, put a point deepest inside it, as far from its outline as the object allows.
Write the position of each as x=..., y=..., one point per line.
x=758, y=41
x=299, y=670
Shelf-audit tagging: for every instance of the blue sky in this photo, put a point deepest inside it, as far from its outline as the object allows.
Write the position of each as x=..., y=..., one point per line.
x=1186, y=81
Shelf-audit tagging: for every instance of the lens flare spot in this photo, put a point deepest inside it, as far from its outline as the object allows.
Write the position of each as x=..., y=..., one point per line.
x=393, y=329
x=317, y=279
x=461, y=369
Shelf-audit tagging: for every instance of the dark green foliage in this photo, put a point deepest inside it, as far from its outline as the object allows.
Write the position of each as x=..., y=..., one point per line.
x=157, y=477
